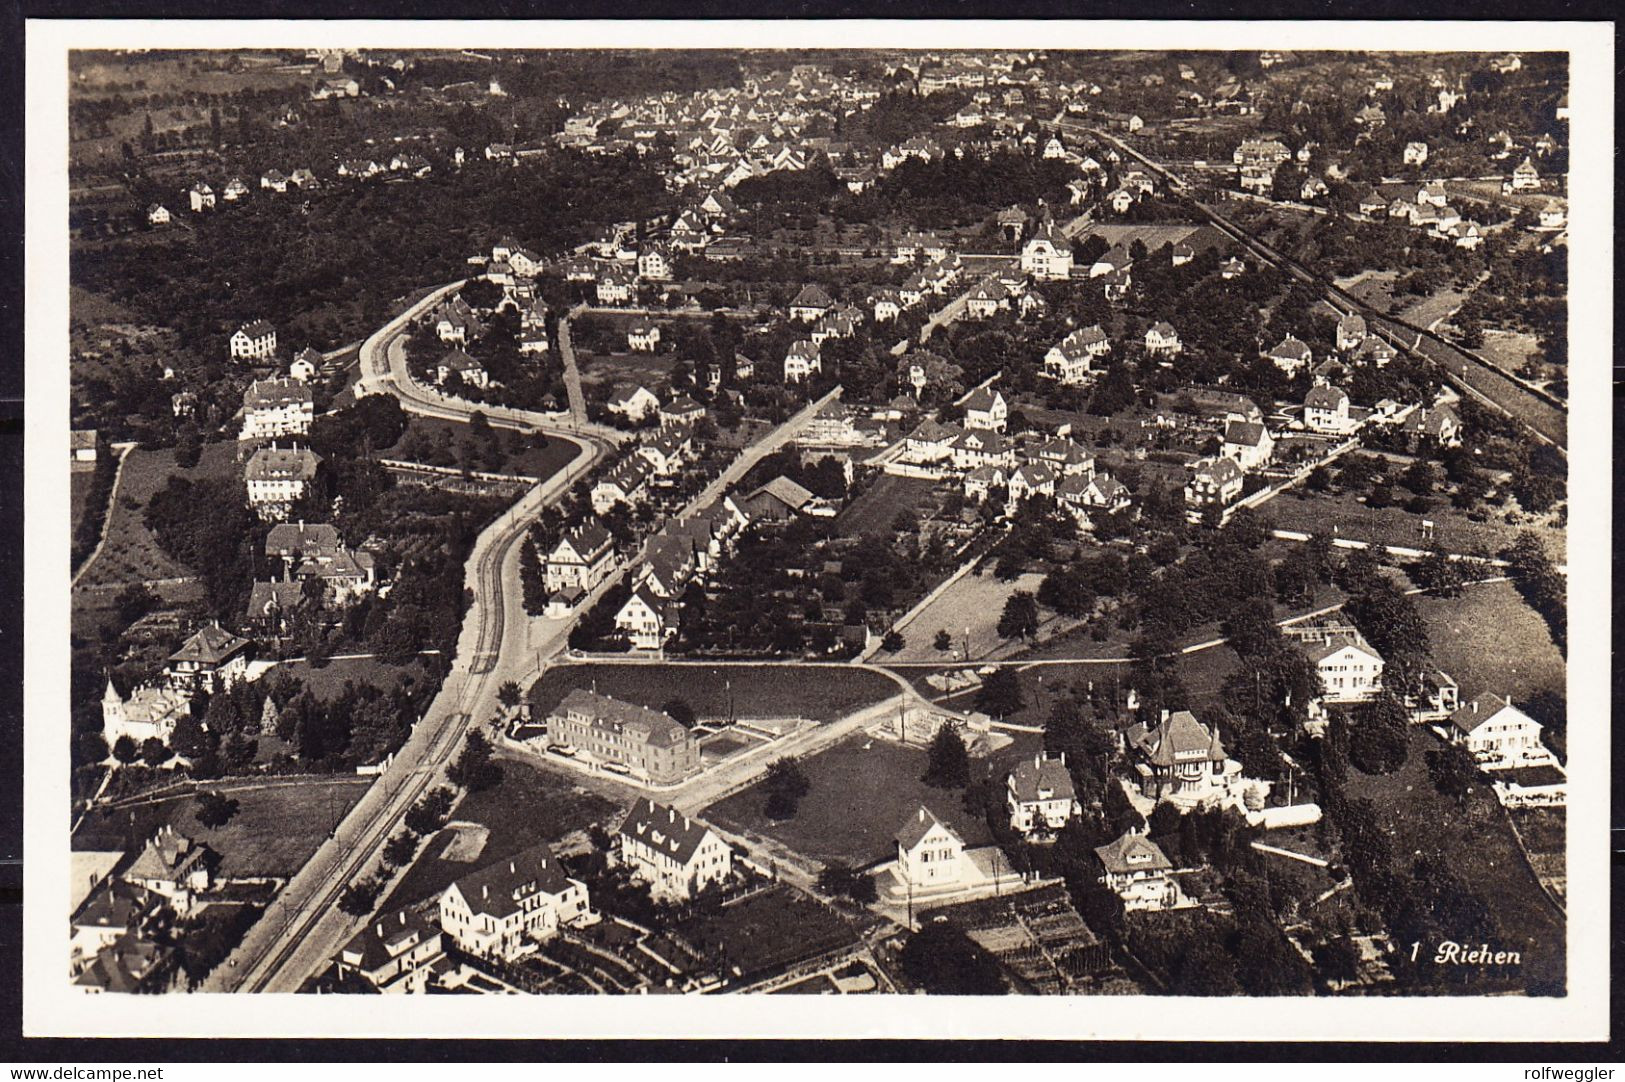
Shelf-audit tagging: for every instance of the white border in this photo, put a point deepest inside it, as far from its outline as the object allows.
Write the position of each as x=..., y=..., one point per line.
x=52, y=1008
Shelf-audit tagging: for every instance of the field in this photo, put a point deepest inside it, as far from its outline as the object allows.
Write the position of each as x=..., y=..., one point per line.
x=765, y=931
x=527, y=807
x=818, y=692
x=875, y=510
x=859, y=798
x=1479, y=846
x=969, y=610
x=1392, y=525
x=649, y=369
x=1153, y=235
x=78, y=497
x=326, y=681
x=132, y=553
x=1490, y=641
x=433, y=432
x=274, y=832
x=1507, y=350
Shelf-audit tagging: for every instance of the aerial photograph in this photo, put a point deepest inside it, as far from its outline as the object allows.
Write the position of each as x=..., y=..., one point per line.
x=867, y=521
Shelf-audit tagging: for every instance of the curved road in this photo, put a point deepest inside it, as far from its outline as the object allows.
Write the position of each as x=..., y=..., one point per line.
x=304, y=927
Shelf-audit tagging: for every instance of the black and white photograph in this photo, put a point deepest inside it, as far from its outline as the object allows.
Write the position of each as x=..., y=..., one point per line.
x=1076, y=516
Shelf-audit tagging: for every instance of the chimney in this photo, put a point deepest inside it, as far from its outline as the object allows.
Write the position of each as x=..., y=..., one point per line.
x=1165, y=713
x=403, y=918
x=485, y=892
x=378, y=930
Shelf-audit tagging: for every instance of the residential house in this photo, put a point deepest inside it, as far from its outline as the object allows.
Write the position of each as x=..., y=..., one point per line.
x=930, y=856
x=1248, y=443
x=1525, y=178
x=1162, y=340
x=643, y=336
x=634, y=403
x=174, y=867
x=1030, y=479
x=1114, y=259
x=210, y=659
x=810, y=304
x=801, y=360
x=1440, y=424
x=158, y=214
x=986, y=299
x=276, y=477
x=1071, y=360
x=1498, y=734
x=1140, y=873
x=469, y=372
x=626, y=482
x=201, y=197
x=986, y=409
x=1351, y=331
x=1326, y=409
x=614, y=287
x=305, y=364
x=975, y=447
x=1350, y=670
x=277, y=407
x=1181, y=759
x=647, y=619
x=581, y=560
x=274, y=180
x=1040, y=795
x=254, y=341
x=675, y=855
x=149, y=712
x=394, y=953
x=666, y=453
x=1047, y=255
x=682, y=411
x=1415, y=153
x=1291, y=355
x=983, y=480
x=504, y=910
x=1216, y=482
x=654, y=264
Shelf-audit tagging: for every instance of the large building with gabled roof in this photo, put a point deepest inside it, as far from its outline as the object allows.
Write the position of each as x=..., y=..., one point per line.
x=652, y=745
x=674, y=854
x=506, y=909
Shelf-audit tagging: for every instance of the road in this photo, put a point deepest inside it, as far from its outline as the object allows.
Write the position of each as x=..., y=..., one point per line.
x=304, y=926
x=1542, y=415
x=572, y=374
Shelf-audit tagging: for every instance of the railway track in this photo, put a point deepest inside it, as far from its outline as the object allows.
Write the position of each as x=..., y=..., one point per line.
x=1541, y=413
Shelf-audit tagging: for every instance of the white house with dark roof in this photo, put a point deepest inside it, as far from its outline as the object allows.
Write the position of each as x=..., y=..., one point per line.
x=1350, y=669
x=581, y=560
x=1291, y=355
x=1162, y=340
x=1114, y=259
x=801, y=360
x=210, y=659
x=930, y=855
x=277, y=407
x=1071, y=360
x=276, y=477
x=1040, y=795
x=985, y=408
x=1215, y=482
x=506, y=909
x=1047, y=255
x=635, y=403
x=1139, y=872
x=395, y=953
x=675, y=855
x=253, y=341
x=1248, y=443
x=1326, y=409
x=1182, y=760
x=651, y=745
x=810, y=304
x=1498, y=734
x=174, y=867
x=1351, y=331
x=647, y=620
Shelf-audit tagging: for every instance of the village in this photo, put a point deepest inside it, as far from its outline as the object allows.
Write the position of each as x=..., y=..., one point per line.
x=952, y=528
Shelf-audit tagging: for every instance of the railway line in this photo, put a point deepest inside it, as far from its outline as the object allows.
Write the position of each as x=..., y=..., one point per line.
x=1541, y=413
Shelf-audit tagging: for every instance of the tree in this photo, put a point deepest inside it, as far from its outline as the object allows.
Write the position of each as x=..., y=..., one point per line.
x=509, y=695
x=1000, y=693
x=1020, y=617
x=947, y=762
x=188, y=447
x=474, y=769
x=1453, y=771
x=359, y=897
x=942, y=960
x=680, y=711
x=429, y=813
x=155, y=752
x=1379, y=742
x=839, y=880
x=400, y=849
x=893, y=641
x=214, y=809
x=943, y=641
x=786, y=785
x=125, y=750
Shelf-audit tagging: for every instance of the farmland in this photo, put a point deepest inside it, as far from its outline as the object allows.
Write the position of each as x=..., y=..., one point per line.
x=1490, y=641
x=278, y=824
x=876, y=509
x=969, y=611
x=607, y=369
x=818, y=692
x=1346, y=517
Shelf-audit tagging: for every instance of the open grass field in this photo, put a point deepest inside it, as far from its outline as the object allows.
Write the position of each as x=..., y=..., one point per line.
x=1490, y=641
x=132, y=553
x=969, y=610
x=78, y=496
x=1478, y=843
x=527, y=807
x=862, y=791
x=875, y=510
x=274, y=832
x=1507, y=349
x=818, y=692
x=425, y=438
x=326, y=681
x=608, y=369
x=1356, y=521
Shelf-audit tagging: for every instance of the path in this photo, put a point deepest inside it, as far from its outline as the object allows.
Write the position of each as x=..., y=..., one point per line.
x=124, y=450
